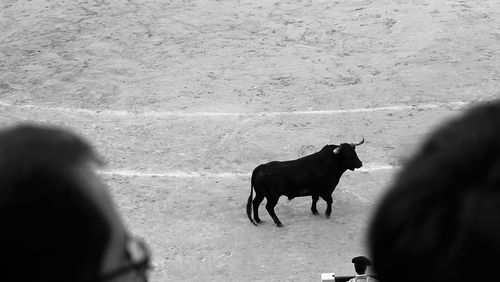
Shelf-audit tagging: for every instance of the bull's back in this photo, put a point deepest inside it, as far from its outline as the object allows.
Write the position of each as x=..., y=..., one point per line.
x=290, y=178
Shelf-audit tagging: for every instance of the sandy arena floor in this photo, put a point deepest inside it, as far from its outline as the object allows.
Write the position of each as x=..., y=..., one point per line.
x=185, y=98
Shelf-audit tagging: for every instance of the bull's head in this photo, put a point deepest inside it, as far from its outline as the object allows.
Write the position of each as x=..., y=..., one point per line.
x=348, y=156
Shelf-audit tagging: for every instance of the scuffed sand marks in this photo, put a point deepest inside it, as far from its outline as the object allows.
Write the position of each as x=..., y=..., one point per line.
x=258, y=55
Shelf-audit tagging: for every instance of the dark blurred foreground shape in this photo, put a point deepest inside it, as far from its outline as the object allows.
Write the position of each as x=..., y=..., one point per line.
x=440, y=220
x=57, y=220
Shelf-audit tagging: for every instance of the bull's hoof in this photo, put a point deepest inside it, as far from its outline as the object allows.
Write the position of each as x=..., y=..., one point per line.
x=315, y=212
x=327, y=215
x=258, y=220
x=279, y=224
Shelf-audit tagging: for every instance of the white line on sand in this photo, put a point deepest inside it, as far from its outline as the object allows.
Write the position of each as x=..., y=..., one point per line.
x=360, y=198
x=160, y=114
x=192, y=174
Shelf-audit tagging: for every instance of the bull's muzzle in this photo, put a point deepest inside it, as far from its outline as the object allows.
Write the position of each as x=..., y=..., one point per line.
x=358, y=165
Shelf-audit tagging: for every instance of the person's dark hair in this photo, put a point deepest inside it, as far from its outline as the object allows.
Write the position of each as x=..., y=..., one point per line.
x=440, y=220
x=361, y=263
x=50, y=231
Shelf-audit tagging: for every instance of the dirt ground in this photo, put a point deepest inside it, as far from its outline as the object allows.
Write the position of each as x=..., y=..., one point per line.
x=185, y=98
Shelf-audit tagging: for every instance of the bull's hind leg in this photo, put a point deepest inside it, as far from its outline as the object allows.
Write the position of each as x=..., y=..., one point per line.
x=256, y=203
x=313, y=205
x=271, y=203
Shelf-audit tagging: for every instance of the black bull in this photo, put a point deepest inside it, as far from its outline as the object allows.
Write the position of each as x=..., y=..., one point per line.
x=314, y=175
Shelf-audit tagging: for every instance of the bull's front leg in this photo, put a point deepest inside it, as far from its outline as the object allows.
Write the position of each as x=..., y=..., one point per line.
x=329, y=201
x=271, y=203
x=315, y=199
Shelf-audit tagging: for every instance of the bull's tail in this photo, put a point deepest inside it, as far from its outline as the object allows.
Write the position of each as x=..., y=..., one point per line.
x=249, y=202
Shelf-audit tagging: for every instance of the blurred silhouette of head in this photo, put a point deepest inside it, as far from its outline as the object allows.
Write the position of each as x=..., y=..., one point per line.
x=58, y=221
x=440, y=220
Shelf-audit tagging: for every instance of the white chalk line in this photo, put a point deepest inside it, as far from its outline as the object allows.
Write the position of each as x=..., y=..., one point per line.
x=193, y=174
x=155, y=114
x=359, y=197
x=174, y=174
x=181, y=174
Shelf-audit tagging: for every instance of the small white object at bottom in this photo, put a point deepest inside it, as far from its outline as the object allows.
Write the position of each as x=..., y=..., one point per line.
x=330, y=277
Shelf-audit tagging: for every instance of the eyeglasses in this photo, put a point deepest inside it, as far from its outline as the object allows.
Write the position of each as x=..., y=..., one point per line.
x=139, y=263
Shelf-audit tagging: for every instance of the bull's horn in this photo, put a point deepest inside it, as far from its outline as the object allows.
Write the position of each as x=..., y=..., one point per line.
x=361, y=142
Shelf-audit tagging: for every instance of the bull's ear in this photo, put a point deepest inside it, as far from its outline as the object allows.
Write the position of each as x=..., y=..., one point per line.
x=336, y=150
